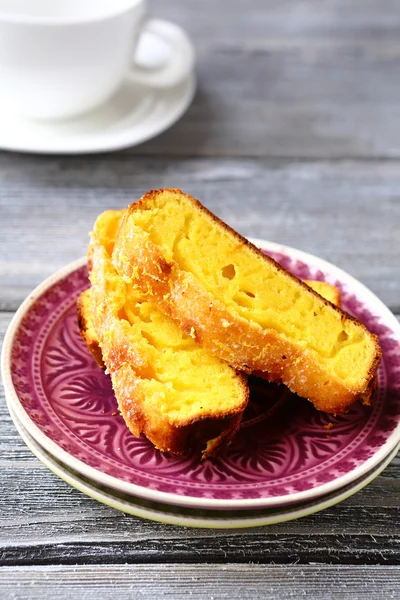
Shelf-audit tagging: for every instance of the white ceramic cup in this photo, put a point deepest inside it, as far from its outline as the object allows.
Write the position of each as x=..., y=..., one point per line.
x=61, y=58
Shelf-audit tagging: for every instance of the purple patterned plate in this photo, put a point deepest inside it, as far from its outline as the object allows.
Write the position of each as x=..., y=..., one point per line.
x=285, y=452
x=189, y=517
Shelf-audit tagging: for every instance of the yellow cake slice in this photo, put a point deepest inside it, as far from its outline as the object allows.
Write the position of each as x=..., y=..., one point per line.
x=86, y=328
x=168, y=387
x=326, y=290
x=240, y=304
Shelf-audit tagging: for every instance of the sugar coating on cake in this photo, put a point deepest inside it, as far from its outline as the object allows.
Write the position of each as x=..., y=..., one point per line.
x=168, y=387
x=241, y=304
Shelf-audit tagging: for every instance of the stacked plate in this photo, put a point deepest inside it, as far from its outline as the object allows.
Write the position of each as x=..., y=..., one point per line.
x=288, y=460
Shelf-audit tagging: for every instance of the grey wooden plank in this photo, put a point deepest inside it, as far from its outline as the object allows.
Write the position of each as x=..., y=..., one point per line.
x=310, y=79
x=347, y=212
x=264, y=19
x=200, y=582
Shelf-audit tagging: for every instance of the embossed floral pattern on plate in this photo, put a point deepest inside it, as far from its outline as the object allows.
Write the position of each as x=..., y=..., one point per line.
x=286, y=451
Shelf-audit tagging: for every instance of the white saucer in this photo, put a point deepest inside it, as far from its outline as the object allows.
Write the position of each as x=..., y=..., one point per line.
x=178, y=515
x=133, y=115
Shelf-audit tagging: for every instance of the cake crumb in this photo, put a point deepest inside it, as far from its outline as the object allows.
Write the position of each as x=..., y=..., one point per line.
x=328, y=426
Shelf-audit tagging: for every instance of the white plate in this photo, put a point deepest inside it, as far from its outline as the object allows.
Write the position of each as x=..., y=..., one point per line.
x=132, y=116
x=176, y=515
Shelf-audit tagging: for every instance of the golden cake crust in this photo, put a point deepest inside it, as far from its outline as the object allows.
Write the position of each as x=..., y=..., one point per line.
x=326, y=290
x=83, y=307
x=231, y=337
x=106, y=336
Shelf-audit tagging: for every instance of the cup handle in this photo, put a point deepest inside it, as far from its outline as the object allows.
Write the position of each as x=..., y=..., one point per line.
x=179, y=63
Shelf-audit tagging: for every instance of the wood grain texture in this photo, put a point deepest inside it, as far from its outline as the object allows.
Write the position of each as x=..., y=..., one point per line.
x=201, y=582
x=346, y=212
x=291, y=79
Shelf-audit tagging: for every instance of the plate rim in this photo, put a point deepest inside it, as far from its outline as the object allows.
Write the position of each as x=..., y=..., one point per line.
x=290, y=513
x=119, y=140
x=168, y=497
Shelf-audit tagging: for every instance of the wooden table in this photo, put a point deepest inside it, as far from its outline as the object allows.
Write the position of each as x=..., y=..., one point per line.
x=294, y=136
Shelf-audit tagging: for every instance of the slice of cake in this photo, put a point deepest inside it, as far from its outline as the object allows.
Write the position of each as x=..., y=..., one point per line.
x=326, y=290
x=86, y=328
x=168, y=387
x=239, y=303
